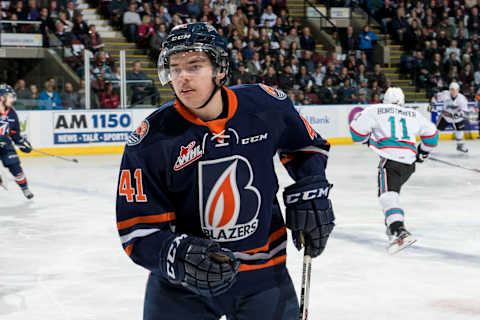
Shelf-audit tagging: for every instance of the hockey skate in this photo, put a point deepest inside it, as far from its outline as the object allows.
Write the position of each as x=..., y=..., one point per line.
x=398, y=237
x=27, y=193
x=462, y=148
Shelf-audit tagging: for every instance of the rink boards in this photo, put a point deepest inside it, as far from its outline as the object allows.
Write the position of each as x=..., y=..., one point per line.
x=74, y=132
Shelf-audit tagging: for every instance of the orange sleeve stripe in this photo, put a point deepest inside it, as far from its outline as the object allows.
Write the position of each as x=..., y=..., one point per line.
x=129, y=249
x=272, y=262
x=287, y=159
x=274, y=236
x=164, y=217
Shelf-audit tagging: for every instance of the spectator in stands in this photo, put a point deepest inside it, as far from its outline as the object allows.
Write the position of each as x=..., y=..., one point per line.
x=254, y=66
x=193, y=9
x=47, y=26
x=473, y=22
x=327, y=94
x=307, y=60
x=364, y=93
x=306, y=40
x=399, y=24
x=53, y=9
x=157, y=40
x=361, y=74
x=179, y=8
x=80, y=29
x=241, y=76
x=348, y=41
x=109, y=99
x=62, y=17
x=145, y=32
x=131, y=21
x=33, y=91
x=13, y=27
x=64, y=37
x=22, y=92
x=19, y=11
x=49, y=98
x=146, y=10
x=366, y=42
x=292, y=37
x=94, y=40
x=294, y=51
x=385, y=14
x=271, y=78
x=33, y=14
x=268, y=18
x=452, y=60
x=249, y=50
x=143, y=88
x=115, y=11
x=286, y=80
x=378, y=75
x=466, y=75
x=70, y=8
x=304, y=79
x=70, y=98
x=162, y=12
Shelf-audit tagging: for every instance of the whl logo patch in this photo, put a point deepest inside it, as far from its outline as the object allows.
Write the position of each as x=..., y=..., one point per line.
x=188, y=154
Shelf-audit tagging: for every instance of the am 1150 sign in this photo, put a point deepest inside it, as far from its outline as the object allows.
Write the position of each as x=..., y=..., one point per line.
x=79, y=121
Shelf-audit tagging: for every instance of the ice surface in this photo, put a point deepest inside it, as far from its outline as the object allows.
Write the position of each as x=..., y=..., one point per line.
x=60, y=256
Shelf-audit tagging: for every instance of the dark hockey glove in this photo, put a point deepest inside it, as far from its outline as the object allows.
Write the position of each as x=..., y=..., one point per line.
x=200, y=265
x=309, y=212
x=421, y=154
x=24, y=145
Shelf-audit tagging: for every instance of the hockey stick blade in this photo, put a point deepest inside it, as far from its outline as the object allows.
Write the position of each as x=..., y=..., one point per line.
x=448, y=163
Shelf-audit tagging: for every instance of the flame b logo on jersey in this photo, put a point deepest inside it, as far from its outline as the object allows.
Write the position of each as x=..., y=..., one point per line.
x=229, y=203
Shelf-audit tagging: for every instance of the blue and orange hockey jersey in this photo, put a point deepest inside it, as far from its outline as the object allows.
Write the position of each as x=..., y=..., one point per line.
x=9, y=125
x=216, y=180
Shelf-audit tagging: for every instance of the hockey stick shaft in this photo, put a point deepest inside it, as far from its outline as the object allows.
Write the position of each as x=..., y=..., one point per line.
x=55, y=156
x=305, y=291
x=453, y=164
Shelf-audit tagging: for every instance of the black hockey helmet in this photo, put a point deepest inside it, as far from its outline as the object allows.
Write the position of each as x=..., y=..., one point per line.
x=6, y=89
x=191, y=37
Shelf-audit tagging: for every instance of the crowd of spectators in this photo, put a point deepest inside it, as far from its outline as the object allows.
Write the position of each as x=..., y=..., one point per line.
x=441, y=41
x=266, y=45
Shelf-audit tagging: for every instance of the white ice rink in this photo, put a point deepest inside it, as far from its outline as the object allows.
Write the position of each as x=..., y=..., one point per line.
x=61, y=259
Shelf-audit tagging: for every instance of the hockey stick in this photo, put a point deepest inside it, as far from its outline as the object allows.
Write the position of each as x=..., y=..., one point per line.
x=453, y=164
x=55, y=156
x=305, y=291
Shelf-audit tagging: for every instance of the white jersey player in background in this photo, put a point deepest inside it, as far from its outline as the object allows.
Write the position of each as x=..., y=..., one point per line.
x=391, y=129
x=452, y=106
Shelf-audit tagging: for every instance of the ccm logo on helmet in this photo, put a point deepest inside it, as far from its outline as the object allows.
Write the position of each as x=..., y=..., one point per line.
x=172, y=251
x=308, y=195
x=181, y=37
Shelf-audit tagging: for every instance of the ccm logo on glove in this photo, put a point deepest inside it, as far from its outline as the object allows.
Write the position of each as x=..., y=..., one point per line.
x=308, y=195
x=172, y=251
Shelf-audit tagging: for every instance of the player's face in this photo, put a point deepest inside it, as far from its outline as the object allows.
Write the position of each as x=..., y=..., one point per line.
x=8, y=99
x=453, y=92
x=191, y=74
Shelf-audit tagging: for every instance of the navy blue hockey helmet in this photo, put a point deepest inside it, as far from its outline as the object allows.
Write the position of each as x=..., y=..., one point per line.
x=191, y=37
x=6, y=89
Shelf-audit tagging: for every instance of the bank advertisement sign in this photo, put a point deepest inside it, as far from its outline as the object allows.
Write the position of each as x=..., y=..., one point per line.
x=84, y=127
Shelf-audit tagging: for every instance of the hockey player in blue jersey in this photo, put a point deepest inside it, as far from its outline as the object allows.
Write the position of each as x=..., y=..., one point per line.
x=196, y=202
x=10, y=131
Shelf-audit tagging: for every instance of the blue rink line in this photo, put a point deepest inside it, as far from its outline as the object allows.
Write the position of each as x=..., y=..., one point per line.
x=442, y=254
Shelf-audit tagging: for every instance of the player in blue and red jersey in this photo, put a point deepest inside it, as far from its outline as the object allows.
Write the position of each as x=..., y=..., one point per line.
x=196, y=201
x=10, y=131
